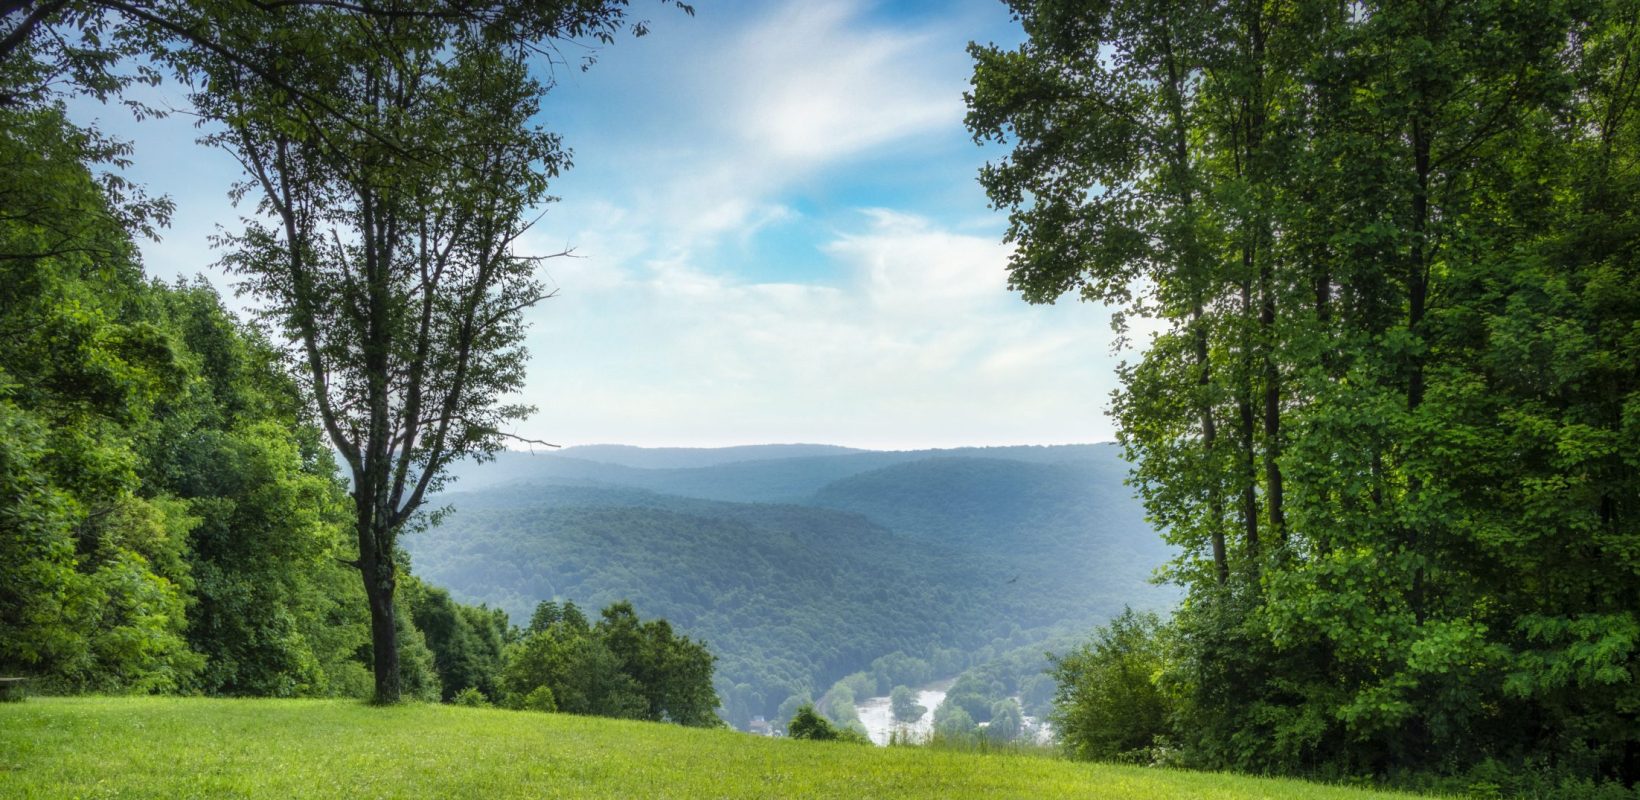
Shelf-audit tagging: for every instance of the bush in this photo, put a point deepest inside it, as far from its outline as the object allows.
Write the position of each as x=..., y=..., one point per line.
x=1007, y=721
x=470, y=697
x=540, y=699
x=1108, y=705
x=952, y=722
x=808, y=724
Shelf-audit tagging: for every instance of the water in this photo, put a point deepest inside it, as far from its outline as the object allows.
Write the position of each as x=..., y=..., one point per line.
x=877, y=715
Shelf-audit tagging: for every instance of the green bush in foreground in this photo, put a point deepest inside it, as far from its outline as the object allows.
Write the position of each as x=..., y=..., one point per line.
x=808, y=724
x=1108, y=704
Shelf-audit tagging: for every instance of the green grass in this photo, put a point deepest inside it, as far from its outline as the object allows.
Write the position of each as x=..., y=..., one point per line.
x=207, y=748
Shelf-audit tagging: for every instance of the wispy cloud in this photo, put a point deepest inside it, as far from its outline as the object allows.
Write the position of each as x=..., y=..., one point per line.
x=816, y=83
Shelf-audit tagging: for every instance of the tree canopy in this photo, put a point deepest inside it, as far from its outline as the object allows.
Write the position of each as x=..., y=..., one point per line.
x=1389, y=415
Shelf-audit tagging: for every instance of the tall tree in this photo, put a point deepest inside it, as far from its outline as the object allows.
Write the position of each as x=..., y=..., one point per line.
x=391, y=264
x=1382, y=416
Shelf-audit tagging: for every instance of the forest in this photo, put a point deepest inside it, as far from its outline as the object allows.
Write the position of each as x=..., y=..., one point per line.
x=1391, y=417
x=795, y=597
x=1372, y=516
x=186, y=510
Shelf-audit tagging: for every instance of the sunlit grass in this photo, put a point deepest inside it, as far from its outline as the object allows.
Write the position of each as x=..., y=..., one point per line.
x=208, y=748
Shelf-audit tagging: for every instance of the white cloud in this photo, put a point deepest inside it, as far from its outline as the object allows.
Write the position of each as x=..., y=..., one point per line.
x=911, y=339
x=919, y=345
x=816, y=85
x=910, y=265
x=745, y=113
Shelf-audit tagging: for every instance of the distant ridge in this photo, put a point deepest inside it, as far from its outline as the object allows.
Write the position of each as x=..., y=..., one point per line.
x=627, y=455
x=776, y=473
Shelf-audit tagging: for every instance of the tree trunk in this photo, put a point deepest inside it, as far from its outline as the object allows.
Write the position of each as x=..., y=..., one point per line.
x=1273, y=490
x=379, y=585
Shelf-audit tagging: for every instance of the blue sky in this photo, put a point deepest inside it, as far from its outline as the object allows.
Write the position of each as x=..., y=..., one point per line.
x=780, y=239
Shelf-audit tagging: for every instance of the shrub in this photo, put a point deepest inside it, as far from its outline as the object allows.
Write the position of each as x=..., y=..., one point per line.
x=905, y=705
x=540, y=699
x=808, y=724
x=471, y=697
x=1108, y=705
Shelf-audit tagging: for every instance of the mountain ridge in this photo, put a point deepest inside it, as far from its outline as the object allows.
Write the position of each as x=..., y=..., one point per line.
x=800, y=570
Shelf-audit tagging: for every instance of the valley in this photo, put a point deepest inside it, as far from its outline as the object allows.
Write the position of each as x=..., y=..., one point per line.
x=801, y=565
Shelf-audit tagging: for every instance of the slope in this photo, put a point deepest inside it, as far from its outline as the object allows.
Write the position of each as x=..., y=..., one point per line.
x=757, y=474
x=788, y=597
x=949, y=556
x=153, y=747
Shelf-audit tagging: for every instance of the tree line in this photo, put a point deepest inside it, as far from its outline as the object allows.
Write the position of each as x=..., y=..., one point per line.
x=1389, y=413
x=175, y=481
x=173, y=519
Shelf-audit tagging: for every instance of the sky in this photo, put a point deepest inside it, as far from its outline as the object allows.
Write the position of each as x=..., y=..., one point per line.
x=778, y=237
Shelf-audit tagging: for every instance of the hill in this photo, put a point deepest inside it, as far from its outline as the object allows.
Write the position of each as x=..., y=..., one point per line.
x=756, y=474
x=1064, y=521
x=951, y=557
x=252, y=749
x=788, y=597
x=686, y=457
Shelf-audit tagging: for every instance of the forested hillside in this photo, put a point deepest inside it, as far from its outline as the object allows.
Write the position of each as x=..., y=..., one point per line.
x=172, y=520
x=791, y=597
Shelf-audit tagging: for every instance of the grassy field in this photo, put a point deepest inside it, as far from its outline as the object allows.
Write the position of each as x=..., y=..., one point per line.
x=206, y=748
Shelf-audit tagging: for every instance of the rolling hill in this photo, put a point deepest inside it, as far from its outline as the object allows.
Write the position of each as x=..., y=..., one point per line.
x=799, y=569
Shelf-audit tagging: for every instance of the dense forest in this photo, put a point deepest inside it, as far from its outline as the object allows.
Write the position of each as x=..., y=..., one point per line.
x=1392, y=414
x=173, y=520
x=894, y=571
x=1384, y=425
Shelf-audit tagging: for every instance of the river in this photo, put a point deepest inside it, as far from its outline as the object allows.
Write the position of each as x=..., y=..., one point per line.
x=878, y=717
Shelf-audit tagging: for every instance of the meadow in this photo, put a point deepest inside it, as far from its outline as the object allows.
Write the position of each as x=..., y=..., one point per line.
x=102, y=747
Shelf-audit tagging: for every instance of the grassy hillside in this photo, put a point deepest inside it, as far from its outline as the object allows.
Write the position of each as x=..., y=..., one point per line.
x=198, y=748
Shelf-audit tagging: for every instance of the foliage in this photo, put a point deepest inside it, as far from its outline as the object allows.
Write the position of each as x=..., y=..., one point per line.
x=953, y=722
x=272, y=519
x=178, y=525
x=467, y=642
x=539, y=699
x=807, y=723
x=619, y=667
x=388, y=260
x=795, y=599
x=1007, y=721
x=88, y=46
x=1388, y=415
x=94, y=576
x=1109, y=704
x=905, y=706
